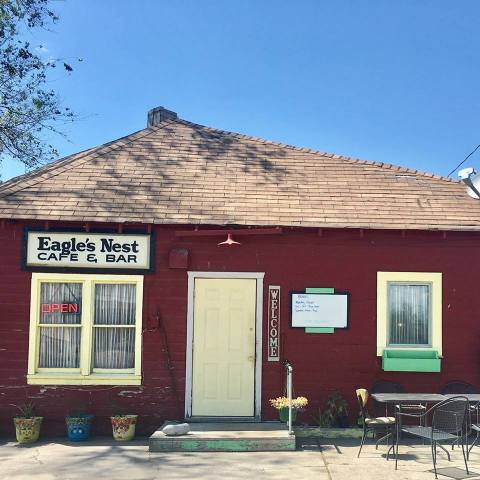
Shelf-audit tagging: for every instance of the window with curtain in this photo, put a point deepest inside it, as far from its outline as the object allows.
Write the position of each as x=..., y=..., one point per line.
x=409, y=314
x=60, y=325
x=114, y=326
x=85, y=329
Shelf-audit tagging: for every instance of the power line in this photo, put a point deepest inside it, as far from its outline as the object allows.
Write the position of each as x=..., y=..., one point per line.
x=464, y=160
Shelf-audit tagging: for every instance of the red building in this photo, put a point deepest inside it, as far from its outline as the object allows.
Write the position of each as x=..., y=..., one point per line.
x=117, y=285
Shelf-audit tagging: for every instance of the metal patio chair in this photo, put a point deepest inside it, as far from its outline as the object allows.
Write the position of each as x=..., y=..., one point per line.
x=459, y=387
x=387, y=386
x=373, y=424
x=473, y=425
x=449, y=424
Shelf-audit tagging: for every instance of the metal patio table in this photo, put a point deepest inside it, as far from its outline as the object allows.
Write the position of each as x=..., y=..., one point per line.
x=472, y=397
x=407, y=399
x=426, y=398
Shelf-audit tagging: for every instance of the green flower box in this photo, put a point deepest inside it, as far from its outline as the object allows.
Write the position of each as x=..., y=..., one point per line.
x=410, y=360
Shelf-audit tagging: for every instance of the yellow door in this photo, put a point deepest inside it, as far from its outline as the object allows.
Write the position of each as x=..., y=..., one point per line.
x=223, y=380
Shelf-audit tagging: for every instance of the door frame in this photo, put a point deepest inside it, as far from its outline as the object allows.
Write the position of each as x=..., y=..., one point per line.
x=258, y=276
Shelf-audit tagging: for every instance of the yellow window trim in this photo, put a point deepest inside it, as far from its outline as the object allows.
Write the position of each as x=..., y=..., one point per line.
x=435, y=279
x=84, y=375
x=93, y=379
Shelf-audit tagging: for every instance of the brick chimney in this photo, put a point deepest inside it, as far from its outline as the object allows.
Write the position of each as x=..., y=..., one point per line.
x=159, y=114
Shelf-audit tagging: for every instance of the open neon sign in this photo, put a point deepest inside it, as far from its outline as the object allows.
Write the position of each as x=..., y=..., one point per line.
x=59, y=307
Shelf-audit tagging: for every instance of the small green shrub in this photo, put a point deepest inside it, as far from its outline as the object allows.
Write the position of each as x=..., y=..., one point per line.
x=335, y=413
x=27, y=410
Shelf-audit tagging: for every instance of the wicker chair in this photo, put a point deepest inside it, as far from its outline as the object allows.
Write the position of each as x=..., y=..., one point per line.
x=372, y=424
x=449, y=424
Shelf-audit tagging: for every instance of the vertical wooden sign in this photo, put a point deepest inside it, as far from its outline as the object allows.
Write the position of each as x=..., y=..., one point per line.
x=273, y=323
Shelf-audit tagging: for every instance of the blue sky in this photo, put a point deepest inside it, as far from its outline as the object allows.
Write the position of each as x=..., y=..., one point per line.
x=388, y=80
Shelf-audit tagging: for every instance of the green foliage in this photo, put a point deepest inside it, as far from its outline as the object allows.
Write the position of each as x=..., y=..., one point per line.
x=335, y=412
x=325, y=419
x=27, y=410
x=28, y=109
x=78, y=411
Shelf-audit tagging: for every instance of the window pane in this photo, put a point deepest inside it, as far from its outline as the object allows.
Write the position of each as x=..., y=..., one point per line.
x=59, y=347
x=409, y=314
x=60, y=303
x=114, y=304
x=114, y=347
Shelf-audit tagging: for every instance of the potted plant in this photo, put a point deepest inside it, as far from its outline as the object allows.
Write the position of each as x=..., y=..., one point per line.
x=27, y=424
x=281, y=404
x=79, y=425
x=123, y=425
x=335, y=413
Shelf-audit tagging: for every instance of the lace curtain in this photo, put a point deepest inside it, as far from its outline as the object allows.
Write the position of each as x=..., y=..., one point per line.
x=60, y=340
x=114, y=326
x=409, y=314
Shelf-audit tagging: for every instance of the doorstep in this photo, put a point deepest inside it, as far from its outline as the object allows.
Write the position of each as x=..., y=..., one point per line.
x=225, y=437
x=306, y=432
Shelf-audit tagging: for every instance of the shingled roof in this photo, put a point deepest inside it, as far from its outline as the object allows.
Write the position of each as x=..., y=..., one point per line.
x=178, y=172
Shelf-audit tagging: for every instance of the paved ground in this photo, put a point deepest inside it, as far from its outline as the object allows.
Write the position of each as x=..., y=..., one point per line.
x=105, y=459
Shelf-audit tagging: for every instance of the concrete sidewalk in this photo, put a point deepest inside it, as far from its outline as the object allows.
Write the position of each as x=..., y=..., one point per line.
x=106, y=459
x=415, y=462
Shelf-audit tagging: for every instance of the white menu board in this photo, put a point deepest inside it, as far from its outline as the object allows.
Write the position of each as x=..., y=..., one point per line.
x=319, y=310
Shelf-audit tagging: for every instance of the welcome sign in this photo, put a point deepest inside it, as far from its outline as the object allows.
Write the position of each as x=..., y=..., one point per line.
x=273, y=323
x=88, y=250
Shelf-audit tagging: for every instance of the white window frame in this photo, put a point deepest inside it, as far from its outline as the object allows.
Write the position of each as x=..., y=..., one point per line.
x=85, y=374
x=434, y=279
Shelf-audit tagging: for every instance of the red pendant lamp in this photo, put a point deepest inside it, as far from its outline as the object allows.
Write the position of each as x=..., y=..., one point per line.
x=229, y=241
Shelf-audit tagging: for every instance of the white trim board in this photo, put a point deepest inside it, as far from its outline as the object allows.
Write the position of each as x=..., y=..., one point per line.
x=258, y=334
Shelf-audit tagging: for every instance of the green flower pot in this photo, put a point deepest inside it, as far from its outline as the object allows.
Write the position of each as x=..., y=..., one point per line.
x=123, y=427
x=283, y=414
x=27, y=429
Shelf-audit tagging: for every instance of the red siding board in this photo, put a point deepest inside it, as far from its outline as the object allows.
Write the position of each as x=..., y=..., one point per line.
x=296, y=259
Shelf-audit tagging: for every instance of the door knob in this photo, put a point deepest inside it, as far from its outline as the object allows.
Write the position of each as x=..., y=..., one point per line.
x=251, y=358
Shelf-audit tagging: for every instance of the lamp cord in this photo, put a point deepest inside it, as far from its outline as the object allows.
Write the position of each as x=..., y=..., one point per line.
x=465, y=159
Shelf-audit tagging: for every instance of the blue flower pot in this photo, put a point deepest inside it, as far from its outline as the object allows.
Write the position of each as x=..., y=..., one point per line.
x=79, y=428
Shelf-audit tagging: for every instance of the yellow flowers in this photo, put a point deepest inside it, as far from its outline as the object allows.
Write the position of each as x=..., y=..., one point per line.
x=282, y=402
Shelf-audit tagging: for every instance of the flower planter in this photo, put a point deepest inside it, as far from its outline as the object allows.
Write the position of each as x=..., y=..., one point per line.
x=282, y=404
x=79, y=427
x=27, y=429
x=411, y=361
x=123, y=427
x=283, y=414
